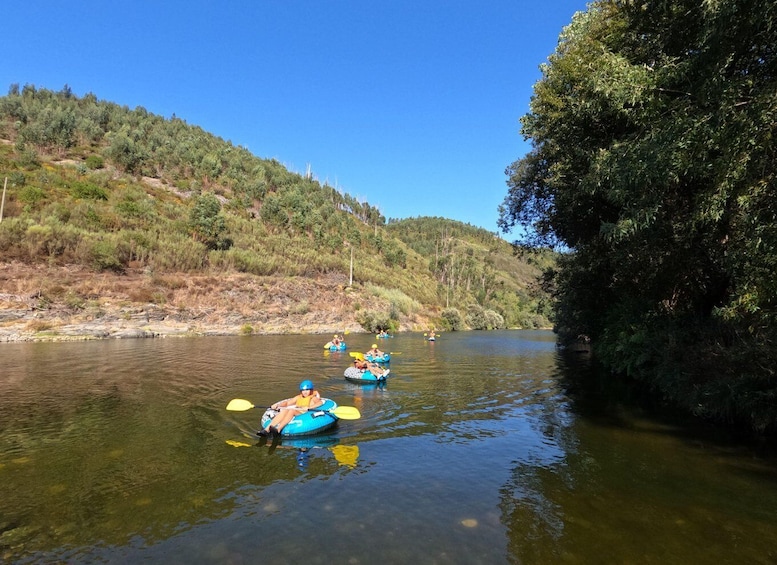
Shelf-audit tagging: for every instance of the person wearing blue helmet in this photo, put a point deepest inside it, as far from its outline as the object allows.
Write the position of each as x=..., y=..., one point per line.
x=307, y=399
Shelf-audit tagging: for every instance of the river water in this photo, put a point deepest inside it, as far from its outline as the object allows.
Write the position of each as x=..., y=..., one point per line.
x=479, y=449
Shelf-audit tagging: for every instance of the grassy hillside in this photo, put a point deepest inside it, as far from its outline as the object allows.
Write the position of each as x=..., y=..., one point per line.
x=125, y=193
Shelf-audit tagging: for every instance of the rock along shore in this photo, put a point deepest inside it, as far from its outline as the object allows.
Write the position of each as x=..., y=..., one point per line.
x=43, y=303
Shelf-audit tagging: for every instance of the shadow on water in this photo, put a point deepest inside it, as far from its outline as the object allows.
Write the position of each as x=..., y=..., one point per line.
x=625, y=404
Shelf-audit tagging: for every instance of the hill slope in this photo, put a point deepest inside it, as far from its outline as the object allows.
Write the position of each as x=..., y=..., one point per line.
x=115, y=216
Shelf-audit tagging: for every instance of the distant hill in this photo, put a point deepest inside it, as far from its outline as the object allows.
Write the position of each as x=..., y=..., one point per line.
x=121, y=192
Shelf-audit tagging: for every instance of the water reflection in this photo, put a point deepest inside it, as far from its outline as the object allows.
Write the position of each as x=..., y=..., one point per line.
x=480, y=450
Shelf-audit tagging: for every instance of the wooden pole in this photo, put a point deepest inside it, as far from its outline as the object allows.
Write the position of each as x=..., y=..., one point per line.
x=350, y=282
x=2, y=202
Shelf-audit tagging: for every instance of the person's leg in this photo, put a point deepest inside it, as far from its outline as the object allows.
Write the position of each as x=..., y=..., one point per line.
x=283, y=418
x=275, y=422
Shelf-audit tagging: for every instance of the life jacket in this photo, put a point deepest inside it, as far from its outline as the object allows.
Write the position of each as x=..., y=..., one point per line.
x=304, y=401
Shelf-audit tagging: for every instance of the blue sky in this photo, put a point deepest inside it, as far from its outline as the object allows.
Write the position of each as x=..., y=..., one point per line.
x=412, y=106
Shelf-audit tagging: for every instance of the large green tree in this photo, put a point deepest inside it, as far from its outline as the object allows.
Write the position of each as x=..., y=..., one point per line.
x=653, y=163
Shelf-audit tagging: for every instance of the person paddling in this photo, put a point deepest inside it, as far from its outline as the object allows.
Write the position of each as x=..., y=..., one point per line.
x=308, y=398
x=374, y=368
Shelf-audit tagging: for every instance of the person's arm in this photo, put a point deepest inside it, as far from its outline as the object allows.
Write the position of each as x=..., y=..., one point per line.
x=281, y=403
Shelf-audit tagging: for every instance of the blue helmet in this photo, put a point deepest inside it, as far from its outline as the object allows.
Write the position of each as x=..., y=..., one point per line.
x=306, y=385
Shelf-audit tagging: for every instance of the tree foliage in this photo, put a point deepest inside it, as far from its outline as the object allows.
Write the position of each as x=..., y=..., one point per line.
x=653, y=164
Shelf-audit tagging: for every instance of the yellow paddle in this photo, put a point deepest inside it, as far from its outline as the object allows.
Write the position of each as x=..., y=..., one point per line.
x=234, y=443
x=342, y=412
x=356, y=355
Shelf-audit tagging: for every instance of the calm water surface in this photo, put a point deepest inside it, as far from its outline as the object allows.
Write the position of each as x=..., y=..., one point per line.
x=476, y=451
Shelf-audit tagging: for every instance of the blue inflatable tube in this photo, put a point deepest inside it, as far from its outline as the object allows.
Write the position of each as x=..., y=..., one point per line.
x=331, y=347
x=309, y=423
x=385, y=358
x=354, y=375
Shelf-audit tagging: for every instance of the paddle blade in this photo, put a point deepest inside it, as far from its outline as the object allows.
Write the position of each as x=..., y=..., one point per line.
x=356, y=355
x=234, y=443
x=239, y=405
x=347, y=412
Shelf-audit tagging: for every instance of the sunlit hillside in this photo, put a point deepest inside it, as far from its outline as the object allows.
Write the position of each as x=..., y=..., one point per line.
x=123, y=193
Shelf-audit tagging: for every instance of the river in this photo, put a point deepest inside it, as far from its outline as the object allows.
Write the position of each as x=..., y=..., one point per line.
x=480, y=449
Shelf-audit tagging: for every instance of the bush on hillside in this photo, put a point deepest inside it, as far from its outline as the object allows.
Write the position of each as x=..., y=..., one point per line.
x=452, y=320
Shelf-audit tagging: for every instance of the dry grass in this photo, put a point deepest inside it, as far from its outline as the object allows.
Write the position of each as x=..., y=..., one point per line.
x=232, y=302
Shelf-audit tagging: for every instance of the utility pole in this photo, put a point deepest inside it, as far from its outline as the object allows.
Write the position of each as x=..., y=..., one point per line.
x=2, y=202
x=350, y=281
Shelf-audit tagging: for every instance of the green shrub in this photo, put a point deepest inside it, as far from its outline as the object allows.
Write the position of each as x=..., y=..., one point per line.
x=95, y=162
x=12, y=232
x=105, y=256
x=451, y=320
x=31, y=196
x=243, y=261
x=17, y=179
x=373, y=321
x=177, y=252
x=88, y=191
x=73, y=301
x=398, y=299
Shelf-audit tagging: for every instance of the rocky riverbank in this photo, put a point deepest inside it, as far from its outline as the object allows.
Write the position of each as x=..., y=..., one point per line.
x=40, y=303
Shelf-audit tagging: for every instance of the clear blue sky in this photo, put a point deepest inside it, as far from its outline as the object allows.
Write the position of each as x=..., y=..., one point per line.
x=412, y=106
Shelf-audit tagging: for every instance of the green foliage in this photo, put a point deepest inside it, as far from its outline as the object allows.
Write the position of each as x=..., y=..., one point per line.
x=452, y=320
x=17, y=179
x=95, y=162
x=168, y=196
x=373, y=321
x=105, y=255
x=88, y=191
x=395, y=297
x=244, y=261
x=208, y=224
x=28, y=157
x=473, y=265
x=478, y=318
x=31, y=195
x=73, y=301
x=12, y=232
x=651, y=161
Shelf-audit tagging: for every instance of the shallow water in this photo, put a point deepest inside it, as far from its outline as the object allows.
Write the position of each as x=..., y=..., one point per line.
x=476, y=451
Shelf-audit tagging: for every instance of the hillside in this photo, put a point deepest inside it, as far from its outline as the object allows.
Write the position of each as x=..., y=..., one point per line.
x=119, y=222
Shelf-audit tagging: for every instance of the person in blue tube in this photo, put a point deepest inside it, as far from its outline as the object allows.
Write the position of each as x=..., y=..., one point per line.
x=307, y=399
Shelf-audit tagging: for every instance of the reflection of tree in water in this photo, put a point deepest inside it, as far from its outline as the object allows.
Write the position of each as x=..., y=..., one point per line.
x=532, y=501
x=602, y=475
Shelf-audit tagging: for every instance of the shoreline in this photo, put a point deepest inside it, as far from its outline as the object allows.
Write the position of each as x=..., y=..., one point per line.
x=150, y=321
x=71, y=303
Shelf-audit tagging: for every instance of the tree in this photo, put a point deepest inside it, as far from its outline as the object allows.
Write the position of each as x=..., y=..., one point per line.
x=207, y=223
x=653, y=146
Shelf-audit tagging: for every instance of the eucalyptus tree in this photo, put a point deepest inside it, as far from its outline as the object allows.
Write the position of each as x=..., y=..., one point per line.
x=653, y=163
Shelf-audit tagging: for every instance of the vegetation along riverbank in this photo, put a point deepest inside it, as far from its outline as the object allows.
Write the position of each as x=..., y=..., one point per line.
x=120, y=223
x=653, y=159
